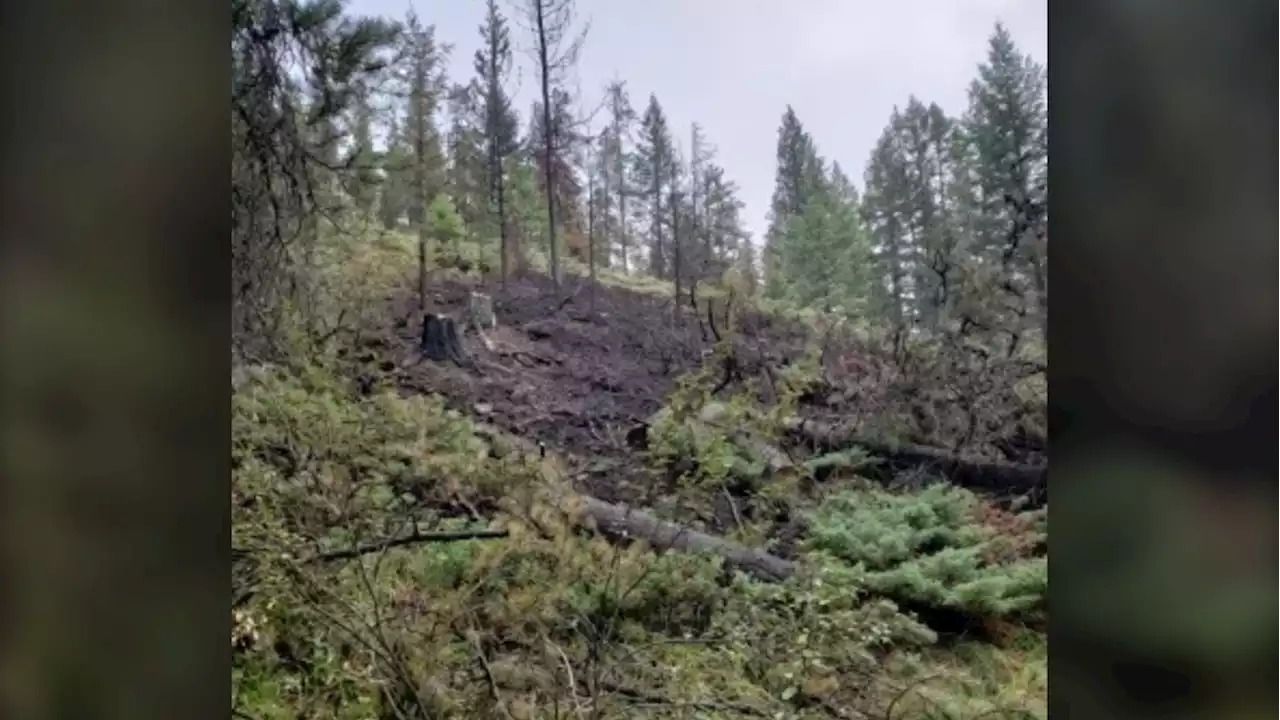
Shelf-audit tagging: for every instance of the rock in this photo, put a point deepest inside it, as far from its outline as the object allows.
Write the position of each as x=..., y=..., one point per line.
x=483, y=409
x=713, y=412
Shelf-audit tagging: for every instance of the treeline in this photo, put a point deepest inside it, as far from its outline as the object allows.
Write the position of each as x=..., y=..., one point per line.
x=342, y=119
x=386, y=132
x=950, y=231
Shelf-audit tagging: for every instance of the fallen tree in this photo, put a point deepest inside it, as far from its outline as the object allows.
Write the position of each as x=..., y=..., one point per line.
x=617, y=524
x=620, y=524
x=1000, y=479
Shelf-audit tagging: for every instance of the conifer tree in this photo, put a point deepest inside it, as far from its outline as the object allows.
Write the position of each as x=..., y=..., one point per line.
x=362, y=181
x=493, y=62
x=798, y=177
x=884, y=209
x=1007, y=124
x=651, y=176
x=622, y=119
x=556, y=45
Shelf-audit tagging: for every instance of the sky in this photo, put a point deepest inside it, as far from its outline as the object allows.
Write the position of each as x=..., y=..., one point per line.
x=734, y=65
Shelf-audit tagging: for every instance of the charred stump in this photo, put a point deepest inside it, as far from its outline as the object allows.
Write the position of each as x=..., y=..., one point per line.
x=441, y=341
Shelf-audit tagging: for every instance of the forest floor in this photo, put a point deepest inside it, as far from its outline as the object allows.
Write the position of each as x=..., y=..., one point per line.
x=561, y=372
x=586, y=376
x=578, y=373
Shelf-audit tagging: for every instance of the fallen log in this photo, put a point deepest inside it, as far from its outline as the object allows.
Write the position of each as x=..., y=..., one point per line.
x=1005, y=480
x=617, y=523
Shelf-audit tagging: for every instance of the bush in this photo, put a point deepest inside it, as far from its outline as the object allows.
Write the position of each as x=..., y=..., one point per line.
x=928, y=550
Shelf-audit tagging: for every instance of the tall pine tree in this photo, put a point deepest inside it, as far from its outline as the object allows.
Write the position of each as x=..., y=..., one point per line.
x=493, y=62
x=651, y=177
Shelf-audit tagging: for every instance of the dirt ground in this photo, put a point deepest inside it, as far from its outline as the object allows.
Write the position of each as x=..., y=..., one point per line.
x=576, y=373
x=571, y=374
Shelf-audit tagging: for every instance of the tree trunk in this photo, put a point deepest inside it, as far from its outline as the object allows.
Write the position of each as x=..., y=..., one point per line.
x=504, y=244
x=441, y=341
x=1003, y=480
x=675, y=249
x=548, y=133
x=622, y=209
x=591, y=233
x=420, y=196
x=618, y=523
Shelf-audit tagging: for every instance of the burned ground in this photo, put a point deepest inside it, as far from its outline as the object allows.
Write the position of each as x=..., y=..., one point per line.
x=578, y=374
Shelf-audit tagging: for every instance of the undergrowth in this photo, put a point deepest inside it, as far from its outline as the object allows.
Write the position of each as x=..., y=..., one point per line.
x=331, y=621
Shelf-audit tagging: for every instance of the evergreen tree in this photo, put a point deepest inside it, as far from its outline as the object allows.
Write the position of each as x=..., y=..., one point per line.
x=622, y=119
x=423, y=76
x=555, y=48
x=826, y=255
x=362, y=159
x=721, y=220
x=884, y=209
x=565, y=142
x=274, y=160
x=651, y=176
x=799, y=175
x=396, y=164
x=466, y=170
x=1007, y=124
x=493, y=62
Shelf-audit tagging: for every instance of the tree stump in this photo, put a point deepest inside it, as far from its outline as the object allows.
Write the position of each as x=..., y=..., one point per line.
x=480, y=311
x=440, y=340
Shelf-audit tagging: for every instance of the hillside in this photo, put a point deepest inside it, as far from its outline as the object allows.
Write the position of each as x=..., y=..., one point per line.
x=527, y=603
x=693, y=467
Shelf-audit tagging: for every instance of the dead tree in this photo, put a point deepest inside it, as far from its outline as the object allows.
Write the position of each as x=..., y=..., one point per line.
x=998, y=479
x=555, y=52
x=619, y=523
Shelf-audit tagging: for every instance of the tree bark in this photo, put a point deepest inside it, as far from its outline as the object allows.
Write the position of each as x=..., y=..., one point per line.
x=441, y=341
x=591, y=229
x=548, y=142
x=618, y=523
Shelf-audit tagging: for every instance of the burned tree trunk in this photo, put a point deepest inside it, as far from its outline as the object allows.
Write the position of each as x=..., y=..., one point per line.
x=994, y=478
x=441, y=341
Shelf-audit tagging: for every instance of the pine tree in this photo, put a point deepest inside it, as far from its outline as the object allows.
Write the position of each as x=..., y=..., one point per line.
x=424, y=76
x=721, y=220
x=1007, y=124
x=565, y=142
x=362, y=182
x=493, y=62
x=466, y=170
x=622, y=119
x=396, y=164
x=274, y=160
x=651, y=176
x=884, y=210
x=555, y=49
x=799, y=175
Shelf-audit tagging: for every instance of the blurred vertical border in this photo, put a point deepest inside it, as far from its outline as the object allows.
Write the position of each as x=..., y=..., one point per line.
x=1163, y=358
x=114, y=325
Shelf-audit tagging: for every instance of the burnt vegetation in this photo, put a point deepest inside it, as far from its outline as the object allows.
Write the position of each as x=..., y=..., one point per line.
x=668, y=469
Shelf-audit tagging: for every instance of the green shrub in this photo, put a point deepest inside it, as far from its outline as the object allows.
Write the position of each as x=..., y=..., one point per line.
x=928, y=549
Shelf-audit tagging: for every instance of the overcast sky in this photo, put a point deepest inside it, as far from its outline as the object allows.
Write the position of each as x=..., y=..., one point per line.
x=734, y=65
